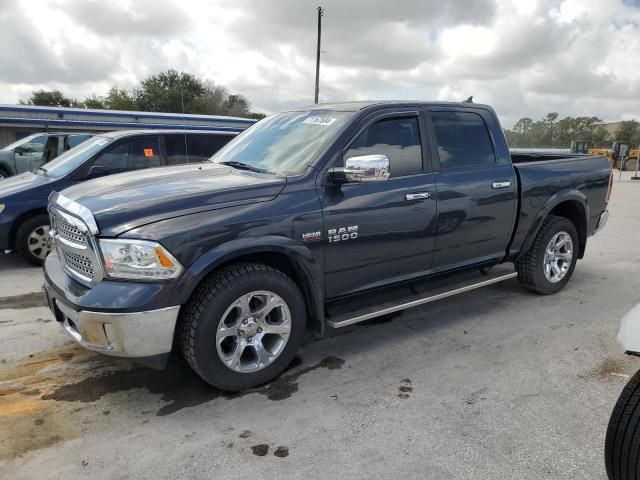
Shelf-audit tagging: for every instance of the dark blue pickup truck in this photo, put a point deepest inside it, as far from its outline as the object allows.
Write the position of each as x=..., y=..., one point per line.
x=318, y=217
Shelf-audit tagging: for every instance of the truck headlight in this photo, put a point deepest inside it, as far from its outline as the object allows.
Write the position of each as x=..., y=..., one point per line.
x=138, y=259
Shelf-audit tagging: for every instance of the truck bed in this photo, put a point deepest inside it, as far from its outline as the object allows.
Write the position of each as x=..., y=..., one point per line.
x=542, y=175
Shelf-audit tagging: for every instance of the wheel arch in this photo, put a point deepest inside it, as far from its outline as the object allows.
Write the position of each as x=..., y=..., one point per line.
x=19, y=220
x=291, y=257
x=570, y=204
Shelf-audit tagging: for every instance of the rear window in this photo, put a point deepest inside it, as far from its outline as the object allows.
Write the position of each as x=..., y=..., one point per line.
x=463, y=139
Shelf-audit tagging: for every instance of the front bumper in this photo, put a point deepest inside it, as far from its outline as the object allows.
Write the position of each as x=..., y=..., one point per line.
x=139, y=334
x=114, y=318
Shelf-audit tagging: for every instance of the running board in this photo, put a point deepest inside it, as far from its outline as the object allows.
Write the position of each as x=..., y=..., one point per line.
x=349, y=318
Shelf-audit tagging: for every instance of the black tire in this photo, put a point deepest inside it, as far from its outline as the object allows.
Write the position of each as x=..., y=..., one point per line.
x=530, y=266
x=622, y=444
x=3, y=174
x=22, y=239
x=203, y=312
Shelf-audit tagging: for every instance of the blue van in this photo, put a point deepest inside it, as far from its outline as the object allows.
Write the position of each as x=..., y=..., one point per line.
x=24, y=221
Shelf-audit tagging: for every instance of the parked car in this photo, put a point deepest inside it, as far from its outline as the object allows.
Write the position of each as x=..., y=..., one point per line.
x=622, y=444
x=33, y=151
x=318, y=217
x=24, y=222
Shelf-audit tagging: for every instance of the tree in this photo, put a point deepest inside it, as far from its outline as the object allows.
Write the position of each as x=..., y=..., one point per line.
x=170, y=91
x=237, y=106
x=212, y=101
x=93, y=101
x=628, y=132
x=119, y=99
x=49, y=98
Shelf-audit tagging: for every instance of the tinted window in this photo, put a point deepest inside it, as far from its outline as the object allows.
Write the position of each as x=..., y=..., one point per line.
x=201, y=147
x=463, y=139
x=134, y=154
x=176, y=147
x=398, y=139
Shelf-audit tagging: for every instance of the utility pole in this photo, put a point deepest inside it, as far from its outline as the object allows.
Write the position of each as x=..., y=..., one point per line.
x=320, y=13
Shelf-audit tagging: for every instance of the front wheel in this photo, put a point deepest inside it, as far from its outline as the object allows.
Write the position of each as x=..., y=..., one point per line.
x=33, y=241
x=242, y=326
x=622, y=444
x=548, y=265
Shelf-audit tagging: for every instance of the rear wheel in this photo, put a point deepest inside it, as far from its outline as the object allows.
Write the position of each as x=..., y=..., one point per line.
x=32, y=239
x=622, y=444
x=242, y=326
x=548, y=265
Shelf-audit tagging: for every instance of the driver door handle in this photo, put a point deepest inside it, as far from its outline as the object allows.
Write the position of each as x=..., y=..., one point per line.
x=409, y=197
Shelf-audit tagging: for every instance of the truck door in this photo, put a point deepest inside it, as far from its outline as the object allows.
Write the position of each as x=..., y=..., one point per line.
x=29, y=155
x=477, y=194
x=378, y=232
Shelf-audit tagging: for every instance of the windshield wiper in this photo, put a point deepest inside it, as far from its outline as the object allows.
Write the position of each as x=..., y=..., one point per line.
x=244, y=166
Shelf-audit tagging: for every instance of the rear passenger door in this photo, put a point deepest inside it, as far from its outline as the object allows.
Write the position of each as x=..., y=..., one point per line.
x=477, y=194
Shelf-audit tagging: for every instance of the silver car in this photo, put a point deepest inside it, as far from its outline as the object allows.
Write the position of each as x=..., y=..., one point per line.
x=30, y=153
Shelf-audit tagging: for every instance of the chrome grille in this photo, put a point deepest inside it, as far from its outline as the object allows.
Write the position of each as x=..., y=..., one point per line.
x=73, y=240
x=80, y=264
x=67, y=231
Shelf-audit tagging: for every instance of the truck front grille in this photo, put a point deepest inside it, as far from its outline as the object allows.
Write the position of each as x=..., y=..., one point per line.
x=80, y=264
x=67, y=231
x=73, y=242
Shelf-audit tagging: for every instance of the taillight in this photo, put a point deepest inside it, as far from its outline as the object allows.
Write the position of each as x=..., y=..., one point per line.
x=606, y=202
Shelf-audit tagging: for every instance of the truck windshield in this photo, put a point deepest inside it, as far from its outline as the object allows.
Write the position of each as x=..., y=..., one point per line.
x=284, y=143
x=75, y=157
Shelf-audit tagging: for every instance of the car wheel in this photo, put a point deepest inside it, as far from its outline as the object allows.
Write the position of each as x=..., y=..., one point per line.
x=32, y=239
x=242, y=326
x=548, y=265
x=622, y=444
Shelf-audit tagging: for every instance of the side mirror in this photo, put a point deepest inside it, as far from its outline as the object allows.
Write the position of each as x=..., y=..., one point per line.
x=364, y=168
x=97, y=171
x=19, y=150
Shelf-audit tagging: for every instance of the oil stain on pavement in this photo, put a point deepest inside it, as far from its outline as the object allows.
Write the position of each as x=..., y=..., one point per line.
x=37, y=396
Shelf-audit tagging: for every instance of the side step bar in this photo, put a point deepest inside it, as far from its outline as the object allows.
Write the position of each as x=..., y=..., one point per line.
x=349, y=318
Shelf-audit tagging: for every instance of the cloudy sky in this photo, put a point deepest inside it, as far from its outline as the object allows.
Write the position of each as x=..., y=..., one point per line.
x=525, y=57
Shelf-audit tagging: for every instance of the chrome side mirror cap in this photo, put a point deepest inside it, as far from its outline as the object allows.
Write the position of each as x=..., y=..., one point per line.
x=366, y=168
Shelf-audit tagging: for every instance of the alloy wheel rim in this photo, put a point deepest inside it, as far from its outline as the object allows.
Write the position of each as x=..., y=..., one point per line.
x=558, y=256
x=253, y=331
x=39, y=242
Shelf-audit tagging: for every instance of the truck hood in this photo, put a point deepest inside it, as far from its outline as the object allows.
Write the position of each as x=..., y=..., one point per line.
x=129, y=200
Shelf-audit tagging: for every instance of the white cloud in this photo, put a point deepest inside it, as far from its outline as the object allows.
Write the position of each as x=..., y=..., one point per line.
x=526, y=58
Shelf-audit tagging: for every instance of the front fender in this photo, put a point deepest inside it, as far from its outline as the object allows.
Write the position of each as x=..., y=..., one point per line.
x=552, y=202
x=629, y=334
x=300, y=256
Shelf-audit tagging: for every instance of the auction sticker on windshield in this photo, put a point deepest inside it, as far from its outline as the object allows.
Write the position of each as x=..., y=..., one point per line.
x=319, y=120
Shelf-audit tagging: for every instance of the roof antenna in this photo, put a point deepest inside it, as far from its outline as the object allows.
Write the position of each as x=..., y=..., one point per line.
x=469, y=100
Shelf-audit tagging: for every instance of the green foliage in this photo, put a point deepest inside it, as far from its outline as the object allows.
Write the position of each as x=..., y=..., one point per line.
x=48, y=98
x=628, y=132
x=170, y=92
x=550, y=132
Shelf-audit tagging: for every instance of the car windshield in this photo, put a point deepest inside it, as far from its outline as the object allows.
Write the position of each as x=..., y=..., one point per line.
x=284, y=143
x=75, y=157
x=17, y=143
